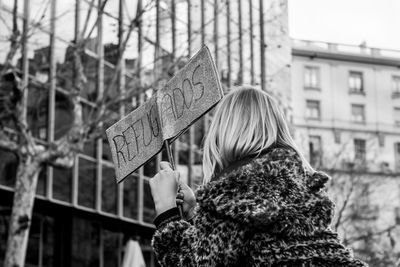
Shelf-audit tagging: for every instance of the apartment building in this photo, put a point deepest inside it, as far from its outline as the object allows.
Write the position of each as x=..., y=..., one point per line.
x=346, y=113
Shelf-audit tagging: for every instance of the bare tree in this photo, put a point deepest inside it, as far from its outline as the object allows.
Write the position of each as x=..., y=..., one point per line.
x=16, y=135
x=356, y=191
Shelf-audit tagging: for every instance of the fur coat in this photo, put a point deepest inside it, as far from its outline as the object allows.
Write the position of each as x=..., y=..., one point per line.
x=265, y=211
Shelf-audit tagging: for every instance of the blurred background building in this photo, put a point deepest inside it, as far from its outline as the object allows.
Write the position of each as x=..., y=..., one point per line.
x=346, y=108
x=342, y=105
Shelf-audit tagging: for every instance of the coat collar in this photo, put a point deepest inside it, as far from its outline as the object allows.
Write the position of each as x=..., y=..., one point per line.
x=272, y=192
x=243, y=161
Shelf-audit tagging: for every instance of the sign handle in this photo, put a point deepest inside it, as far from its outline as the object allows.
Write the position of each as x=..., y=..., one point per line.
x=172, y=162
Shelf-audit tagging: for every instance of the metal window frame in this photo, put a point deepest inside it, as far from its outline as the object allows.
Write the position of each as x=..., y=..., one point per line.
x=308, y=69
x=353, y=74
x=362, y=113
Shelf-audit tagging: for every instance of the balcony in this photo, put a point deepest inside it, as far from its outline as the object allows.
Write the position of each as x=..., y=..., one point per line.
x=357, y=92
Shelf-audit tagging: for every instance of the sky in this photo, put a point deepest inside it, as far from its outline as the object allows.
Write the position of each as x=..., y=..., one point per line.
x=377, y=22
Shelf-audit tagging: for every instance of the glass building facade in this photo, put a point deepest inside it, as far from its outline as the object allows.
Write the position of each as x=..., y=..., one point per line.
x=82, y=217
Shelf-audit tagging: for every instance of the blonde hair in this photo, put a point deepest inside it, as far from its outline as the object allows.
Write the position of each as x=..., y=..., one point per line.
x=247, y=121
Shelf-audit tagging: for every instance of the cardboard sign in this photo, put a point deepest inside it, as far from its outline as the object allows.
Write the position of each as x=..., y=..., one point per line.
x=140, y=135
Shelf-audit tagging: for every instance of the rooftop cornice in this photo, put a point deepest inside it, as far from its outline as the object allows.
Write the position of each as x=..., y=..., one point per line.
x=348, y=53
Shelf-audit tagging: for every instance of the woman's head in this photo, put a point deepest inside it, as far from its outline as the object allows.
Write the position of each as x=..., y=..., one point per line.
x=247, y=121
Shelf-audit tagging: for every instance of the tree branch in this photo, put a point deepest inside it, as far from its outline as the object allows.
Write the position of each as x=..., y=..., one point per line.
x=370, y=235
x=7, y=144
x=344, y=206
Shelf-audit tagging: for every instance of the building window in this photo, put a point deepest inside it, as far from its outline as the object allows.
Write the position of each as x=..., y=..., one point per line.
x=397, y=215
x=395, y=86
x=315, y=151
x=356, y=84
x=357, y=113
x=397, y=157
x=313, y=109
x=396, y=115
x=311, y=77
x=337, y=136
x=359, y=151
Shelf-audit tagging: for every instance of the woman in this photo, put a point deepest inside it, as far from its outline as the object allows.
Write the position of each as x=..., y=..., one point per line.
x=261, y=203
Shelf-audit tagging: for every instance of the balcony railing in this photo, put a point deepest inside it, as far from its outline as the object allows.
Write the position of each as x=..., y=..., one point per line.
x=361, y=49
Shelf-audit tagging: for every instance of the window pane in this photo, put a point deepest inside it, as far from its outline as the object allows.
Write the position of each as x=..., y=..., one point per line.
x=111, y=89
x=89, y=148
x=63, y=47
x=37, y=108
x=311, y=77
x=109, y=190
x=313, y=109
x=106, y=150
x=131, y=197
x=8, y=168
x=86, y=243
x=397, y=156
x=87, y=183
x=41, y=184
x=90, y=66
x=4, y=220
x=111, y=248
x=148, y=209
x=63, y=115
x=149, y=169
x=32, y=257
x=88, y=113
x=111, y=119
x=62, y=184
x=359, y=150
x=8, y=92
x=199, y=136
x=41, y=242
x=397, y=116
x=315, y=151
x=357, y=112
x=355, y=81
x=39, y=66
x=396, y=83
x=48, y=239
x=183, y=146
x=183, y=156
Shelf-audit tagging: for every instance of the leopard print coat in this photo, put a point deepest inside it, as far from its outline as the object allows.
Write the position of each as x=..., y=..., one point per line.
x=266, y=211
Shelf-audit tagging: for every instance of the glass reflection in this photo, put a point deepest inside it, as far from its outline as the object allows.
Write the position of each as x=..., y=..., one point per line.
x=87, y=183
x=62, y=184
x=109, y=190
x=148, y=204
x=8, y=168
x=86, y=243
x=131, y=196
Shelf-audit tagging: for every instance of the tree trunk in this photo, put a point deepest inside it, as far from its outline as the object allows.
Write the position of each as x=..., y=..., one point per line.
x=24, y=195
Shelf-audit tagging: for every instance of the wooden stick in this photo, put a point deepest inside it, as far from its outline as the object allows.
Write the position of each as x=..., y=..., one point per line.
x=172, y=162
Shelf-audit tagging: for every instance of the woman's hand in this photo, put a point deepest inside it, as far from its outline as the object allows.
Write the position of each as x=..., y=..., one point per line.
x=164, y=187
x=187, y=199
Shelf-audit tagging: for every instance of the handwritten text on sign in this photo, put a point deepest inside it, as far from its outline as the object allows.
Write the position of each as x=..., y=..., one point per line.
x=186, y=97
